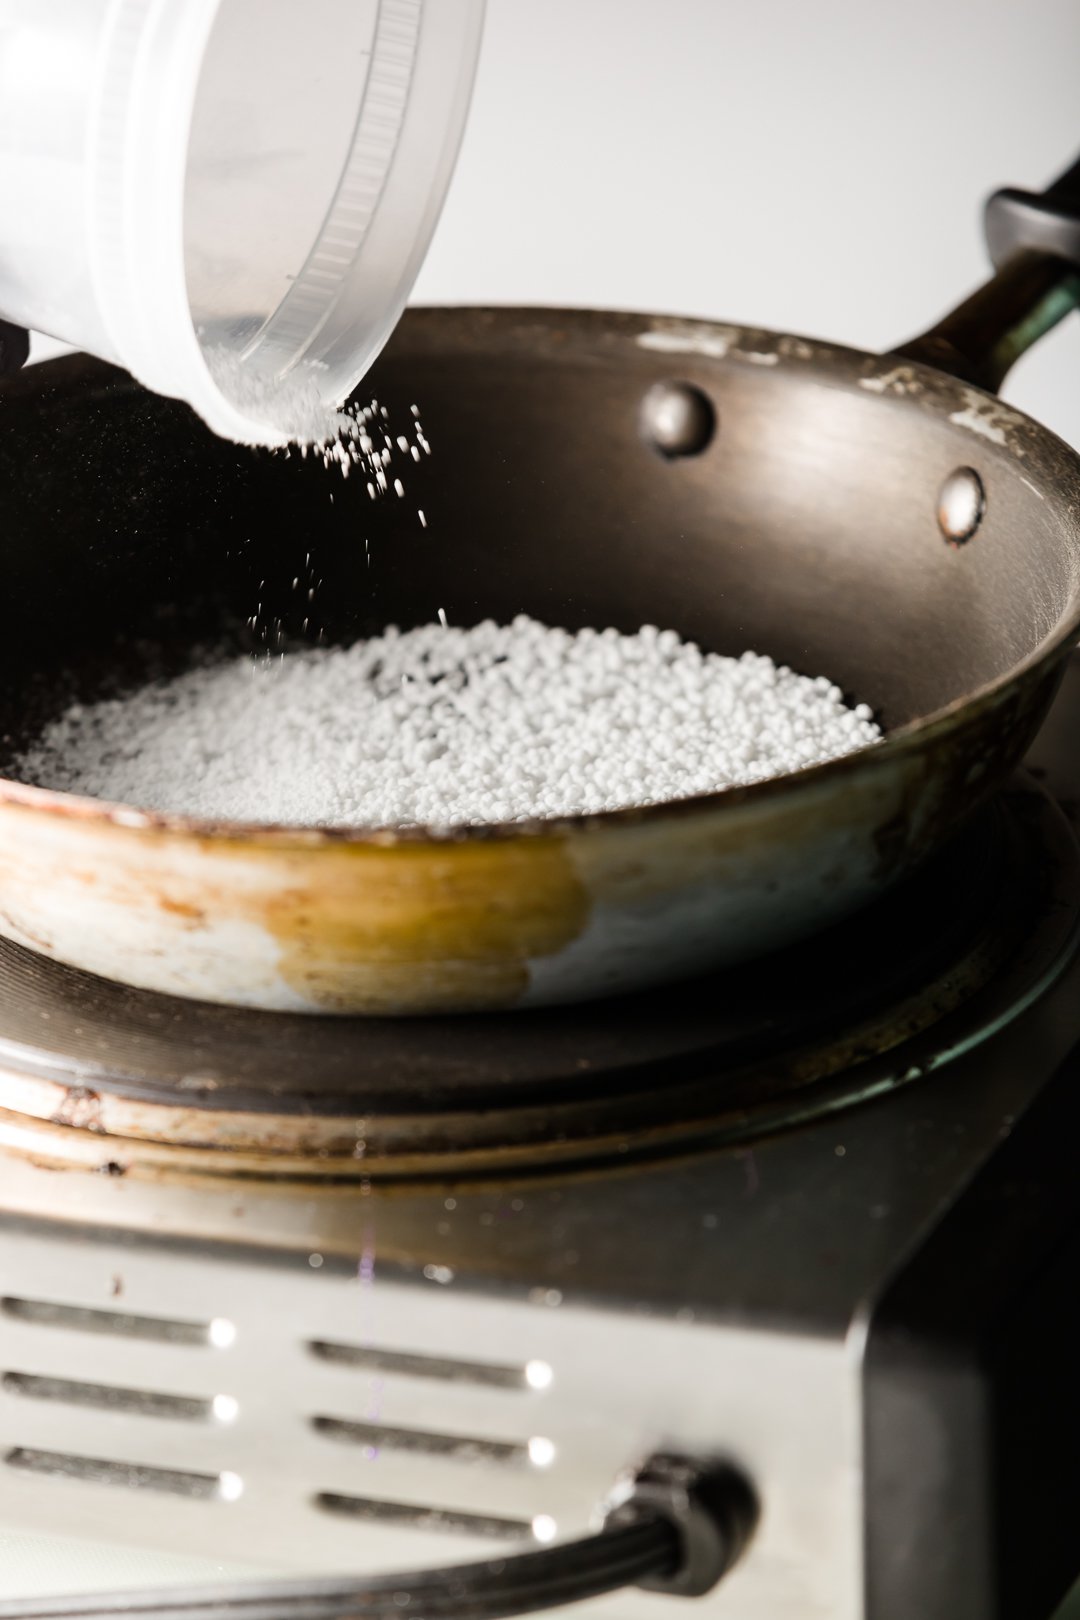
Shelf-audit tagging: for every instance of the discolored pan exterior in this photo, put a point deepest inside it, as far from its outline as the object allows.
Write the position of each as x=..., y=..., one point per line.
x=803, y=525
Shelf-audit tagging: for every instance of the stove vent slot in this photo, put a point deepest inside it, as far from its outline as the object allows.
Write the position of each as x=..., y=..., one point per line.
x=110, y=1398
x=224, y=1487
x=418, y=1517
x=375, y=1437
x=533, y=1375
x=157, y=1329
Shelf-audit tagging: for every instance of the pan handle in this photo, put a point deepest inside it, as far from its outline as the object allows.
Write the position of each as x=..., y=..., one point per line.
x=14, y=346
x=1034, y=242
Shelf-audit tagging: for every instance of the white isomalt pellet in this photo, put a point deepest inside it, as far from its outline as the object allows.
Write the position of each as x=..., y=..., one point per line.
x=444, y=726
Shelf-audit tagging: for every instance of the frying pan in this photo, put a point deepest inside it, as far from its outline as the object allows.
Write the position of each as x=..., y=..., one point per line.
x=884, y=520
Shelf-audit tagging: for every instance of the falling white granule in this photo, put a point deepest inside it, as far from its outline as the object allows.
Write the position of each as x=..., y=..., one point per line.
x=444, y=726
x=293, y=406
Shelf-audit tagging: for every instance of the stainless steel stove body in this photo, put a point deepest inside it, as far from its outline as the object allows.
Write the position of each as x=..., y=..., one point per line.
x=870, y=1313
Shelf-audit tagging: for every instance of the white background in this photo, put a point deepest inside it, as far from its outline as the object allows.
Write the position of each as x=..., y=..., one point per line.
x=813, y=165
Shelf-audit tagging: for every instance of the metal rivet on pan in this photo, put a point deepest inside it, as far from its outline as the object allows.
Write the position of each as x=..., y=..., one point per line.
x=677, y=419
x=961, y=503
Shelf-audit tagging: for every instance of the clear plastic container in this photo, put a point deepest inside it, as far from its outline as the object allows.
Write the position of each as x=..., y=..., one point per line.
x=226, y=196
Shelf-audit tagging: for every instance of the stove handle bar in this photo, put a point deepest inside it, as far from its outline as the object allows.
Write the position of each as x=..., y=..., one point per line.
x=676, y=1528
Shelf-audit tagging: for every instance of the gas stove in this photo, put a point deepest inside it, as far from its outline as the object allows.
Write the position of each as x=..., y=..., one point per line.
x=318, y=1297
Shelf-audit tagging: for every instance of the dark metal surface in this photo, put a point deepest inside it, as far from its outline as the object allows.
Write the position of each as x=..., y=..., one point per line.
x=972, y=1401
x=14, y=346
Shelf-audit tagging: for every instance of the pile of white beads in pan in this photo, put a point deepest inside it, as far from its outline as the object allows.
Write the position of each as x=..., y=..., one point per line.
x=445, y=726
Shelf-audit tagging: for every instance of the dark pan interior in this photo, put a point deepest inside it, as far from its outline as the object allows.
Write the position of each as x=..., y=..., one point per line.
x=806, y=529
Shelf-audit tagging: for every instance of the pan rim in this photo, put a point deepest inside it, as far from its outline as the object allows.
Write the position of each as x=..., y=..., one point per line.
x=720, y=343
